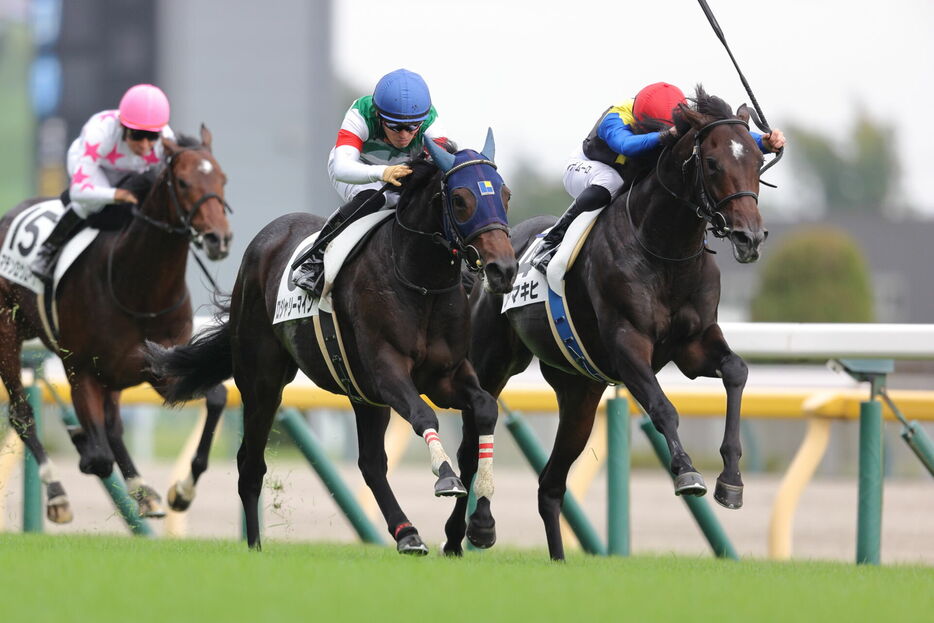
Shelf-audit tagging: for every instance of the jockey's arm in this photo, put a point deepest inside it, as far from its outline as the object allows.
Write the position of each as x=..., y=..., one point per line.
x=621, y=139
x=89, y=186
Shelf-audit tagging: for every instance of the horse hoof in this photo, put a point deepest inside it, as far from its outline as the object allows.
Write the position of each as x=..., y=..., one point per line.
x=690, y=483
x=412, y=545
x=149, y=502
x=481, y=537
x=450, y=486
x=59, y=511
x=729, y=496
x=177, y=501
x=452, y=550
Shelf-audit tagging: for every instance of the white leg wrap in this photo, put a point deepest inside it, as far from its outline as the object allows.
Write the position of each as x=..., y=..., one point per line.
x=47, y=472
x=483, y=484
x=186, y=488
x=438, y=455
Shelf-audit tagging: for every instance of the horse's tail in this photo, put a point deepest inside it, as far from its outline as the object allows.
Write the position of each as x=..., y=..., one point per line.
x=188, y=371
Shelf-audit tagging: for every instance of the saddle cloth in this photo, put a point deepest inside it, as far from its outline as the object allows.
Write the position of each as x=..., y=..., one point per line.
x=27, y=232
x=531, y=286
x=294, y=303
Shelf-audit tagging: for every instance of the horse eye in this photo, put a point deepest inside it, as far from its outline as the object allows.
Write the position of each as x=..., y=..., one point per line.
x=506, y=195
x=712, y=165
x=183, y=184
x=462, y=210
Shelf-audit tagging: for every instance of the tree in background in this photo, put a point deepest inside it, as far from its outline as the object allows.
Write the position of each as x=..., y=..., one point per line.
x=817, y=275
x=861, y=175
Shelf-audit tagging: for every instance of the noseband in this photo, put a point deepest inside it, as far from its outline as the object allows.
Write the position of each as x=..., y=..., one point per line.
x=704, y=208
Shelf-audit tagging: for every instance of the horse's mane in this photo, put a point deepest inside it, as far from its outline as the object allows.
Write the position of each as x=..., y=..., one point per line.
x=423, y=172
x=708, y=105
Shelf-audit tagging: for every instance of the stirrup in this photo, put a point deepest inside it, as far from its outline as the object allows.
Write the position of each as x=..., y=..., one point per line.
x=541, y=260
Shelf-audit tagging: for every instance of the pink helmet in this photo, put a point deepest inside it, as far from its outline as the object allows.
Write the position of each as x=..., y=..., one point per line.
x=144, y=107
x=657, y=101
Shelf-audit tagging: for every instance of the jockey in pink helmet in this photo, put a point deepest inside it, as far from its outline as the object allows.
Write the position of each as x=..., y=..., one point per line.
x=592, y=175
x=116, y=149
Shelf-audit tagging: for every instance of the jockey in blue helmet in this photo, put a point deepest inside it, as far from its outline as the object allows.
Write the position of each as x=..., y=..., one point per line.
x=379, y=134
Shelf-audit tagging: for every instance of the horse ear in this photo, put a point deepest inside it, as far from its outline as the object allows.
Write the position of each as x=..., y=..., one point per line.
x=693, y=117
x=489, y=147
x=206, y=137
x=743, y=113
x=440, y=157
x=169, y=146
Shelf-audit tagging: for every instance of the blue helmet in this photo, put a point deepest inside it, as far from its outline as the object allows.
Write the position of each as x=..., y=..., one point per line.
x=402, y=95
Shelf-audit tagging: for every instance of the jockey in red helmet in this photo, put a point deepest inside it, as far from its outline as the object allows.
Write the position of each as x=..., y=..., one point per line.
x=112, y=145
x=592, y=174
x=379, y=134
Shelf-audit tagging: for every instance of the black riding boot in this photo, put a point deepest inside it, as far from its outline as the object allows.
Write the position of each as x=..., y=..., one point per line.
x=310, y=274
x=592, y=198
x=67, y=226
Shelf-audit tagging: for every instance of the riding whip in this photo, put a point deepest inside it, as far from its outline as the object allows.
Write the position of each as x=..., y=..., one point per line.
x=759, y=116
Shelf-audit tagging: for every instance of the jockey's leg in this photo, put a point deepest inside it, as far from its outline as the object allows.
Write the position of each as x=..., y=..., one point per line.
x=67, y=226
x=592, y=198
x=308, y=275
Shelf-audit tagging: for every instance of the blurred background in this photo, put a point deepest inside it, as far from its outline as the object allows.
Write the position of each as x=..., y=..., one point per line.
x=848, y=81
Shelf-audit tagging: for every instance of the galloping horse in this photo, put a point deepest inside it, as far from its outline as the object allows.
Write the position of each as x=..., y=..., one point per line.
x=405, y=328
x=643, y=291
x=127, y=287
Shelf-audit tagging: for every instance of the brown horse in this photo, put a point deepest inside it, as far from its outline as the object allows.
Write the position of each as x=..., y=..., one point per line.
x=127, y=287
x=405, y=327
x=643, y=292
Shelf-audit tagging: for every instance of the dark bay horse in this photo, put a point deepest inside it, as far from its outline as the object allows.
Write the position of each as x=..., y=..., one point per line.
x=127, y=287
x=405, y=327
x=643, y=292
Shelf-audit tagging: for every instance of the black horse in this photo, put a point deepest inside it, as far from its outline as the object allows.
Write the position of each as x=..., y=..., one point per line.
x=403, y=319
x=642, y=292
x=127, y=288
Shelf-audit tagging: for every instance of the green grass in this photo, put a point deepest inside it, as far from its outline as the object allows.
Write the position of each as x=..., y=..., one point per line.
x=110, y=579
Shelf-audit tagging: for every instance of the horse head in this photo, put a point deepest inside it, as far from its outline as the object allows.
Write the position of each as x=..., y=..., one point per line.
x=724, y=160
x=475, y=200
x=196, y=187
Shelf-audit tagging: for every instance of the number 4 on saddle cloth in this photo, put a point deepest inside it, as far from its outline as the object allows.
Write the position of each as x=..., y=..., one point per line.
x=531, y=287
x=294, y=303
x=23, y=240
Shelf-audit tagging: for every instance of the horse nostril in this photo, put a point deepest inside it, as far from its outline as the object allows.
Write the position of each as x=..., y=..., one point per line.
x=740, y=238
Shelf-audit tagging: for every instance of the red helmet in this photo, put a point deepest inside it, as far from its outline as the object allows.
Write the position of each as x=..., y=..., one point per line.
x=657, y=101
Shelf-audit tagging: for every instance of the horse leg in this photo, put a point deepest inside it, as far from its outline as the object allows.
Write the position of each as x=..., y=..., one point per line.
x=634, y=353
x=58, y=509
x=711, y=356
x=476, y=455
x=496, y=353
x=371, y=430
x=148, y=501
x=578, y=398
x=182, y=493
x=262, y=367
x=399, y=392
x=88, y=397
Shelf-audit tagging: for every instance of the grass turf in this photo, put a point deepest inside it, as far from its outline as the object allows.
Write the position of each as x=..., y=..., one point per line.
x=109, y=579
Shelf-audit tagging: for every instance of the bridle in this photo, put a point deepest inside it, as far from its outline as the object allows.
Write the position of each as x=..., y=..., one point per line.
x=185, y=229
x=451, y=239
x=705, y=208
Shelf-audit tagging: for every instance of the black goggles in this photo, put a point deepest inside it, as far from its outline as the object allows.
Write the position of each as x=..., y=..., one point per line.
x=139, y=135
x=401, y=126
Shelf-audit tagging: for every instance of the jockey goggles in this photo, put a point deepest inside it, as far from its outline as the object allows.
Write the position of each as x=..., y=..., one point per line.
x=401, y=126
